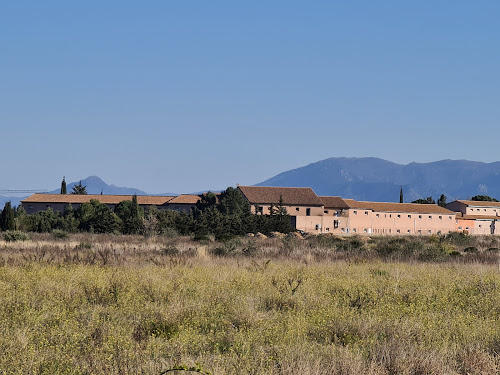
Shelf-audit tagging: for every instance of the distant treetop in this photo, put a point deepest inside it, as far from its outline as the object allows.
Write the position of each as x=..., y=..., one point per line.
x=483, y=198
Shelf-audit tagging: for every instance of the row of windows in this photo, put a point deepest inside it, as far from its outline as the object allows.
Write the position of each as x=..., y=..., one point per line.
x=365, y=230
x=399, y=216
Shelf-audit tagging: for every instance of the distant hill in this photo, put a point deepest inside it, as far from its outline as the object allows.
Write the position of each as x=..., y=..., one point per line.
x=95, y=186
x=380, y=180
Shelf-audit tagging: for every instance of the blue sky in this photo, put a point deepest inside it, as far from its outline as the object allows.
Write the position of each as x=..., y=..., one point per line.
x=184, y=96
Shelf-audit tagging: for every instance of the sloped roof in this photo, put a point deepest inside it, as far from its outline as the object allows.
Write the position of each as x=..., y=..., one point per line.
x=106, y=199
x=479, y=217
x=399, y=207
x=291, y=195
x=185, y=199
x=479, y=203
x=334, y=202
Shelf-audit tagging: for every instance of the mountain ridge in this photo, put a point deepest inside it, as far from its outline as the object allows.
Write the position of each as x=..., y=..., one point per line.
x=377, y=179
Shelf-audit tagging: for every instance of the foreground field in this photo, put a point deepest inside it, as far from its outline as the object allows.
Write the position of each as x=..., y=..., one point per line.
x=131, y=306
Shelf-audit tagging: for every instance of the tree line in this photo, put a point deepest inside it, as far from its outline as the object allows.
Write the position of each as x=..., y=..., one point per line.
x=223, y=217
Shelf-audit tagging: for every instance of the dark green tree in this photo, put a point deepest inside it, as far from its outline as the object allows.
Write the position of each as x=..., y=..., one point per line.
x=7, y=221
x=401, y=200
x=427, y=200
x=232, y=202
x=442, y=200
x=97, y=217
x=208, y=199
x=79, y=189
x=131, y=215
x=63, y=186
x=483, y=198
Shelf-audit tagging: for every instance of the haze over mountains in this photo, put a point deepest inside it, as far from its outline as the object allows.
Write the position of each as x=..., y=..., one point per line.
x=380, y=180
x=362, y=179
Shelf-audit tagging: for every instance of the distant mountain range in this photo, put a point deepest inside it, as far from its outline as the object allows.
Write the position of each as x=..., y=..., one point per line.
x=370, y=179
x=380, y=180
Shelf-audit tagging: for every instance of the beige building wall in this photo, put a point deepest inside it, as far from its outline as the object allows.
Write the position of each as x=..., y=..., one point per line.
x=293, y=210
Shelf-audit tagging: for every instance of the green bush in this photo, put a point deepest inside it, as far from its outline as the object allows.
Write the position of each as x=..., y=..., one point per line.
x=15, y=235
x=60, y=234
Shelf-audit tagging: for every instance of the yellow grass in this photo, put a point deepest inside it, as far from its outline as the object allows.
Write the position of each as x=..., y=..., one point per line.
x=141, y=310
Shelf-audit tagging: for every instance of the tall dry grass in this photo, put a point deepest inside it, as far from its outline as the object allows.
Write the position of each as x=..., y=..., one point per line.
x=90, y=304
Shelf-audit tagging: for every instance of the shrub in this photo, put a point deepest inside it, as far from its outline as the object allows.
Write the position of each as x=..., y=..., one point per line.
x=170, y=250
x=60, y=234
x=470, y=249
x=15, y=235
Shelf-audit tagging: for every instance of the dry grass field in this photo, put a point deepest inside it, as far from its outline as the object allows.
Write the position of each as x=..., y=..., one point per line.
x=89, y=304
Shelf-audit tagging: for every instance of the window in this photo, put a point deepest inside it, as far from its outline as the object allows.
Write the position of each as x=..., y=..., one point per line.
x=480, y=226
x=430, y=217
x=419, y=216
x=429, y=231
x=326, y=211
x=390, y=215
x=342, y=230
x=398, y=231
x=460, y=228
x=335, y=223
x=354, y=212
x=328, y=229
x=450, y=217
x=467, y=228
x=409, y=216
x=260, y=209
x=478, y=209
x=297, y=209
x=318, y=226
x=365, y=230
x=408, y=231
x=440, y=217
x=354, y=230
x=308, y=212
x=419, y=232
x=377, y=215
x=399, y=216
x=484, y=209
x=366, y=213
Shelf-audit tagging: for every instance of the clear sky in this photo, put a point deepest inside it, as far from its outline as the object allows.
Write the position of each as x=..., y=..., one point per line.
x=182, y=96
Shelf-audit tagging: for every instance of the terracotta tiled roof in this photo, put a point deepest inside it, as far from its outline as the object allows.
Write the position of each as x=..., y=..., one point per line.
x=480, y=203
x=185, y=199
x=333, y=202
x=399, y=207
x=479, y=217
x=106, y=199
x=290, y=195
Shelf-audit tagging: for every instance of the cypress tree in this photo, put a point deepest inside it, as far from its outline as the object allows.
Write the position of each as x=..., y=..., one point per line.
x=63, y=186
x=401, y=195
x=7, y=220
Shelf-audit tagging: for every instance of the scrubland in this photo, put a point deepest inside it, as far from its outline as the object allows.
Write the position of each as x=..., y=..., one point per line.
x=104, y=304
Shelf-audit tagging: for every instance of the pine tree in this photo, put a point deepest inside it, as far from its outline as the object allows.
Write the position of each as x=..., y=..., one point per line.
x=63, y=186
x=79, y=189
x=401, y=195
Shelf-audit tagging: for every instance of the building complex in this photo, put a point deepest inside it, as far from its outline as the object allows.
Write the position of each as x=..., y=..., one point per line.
x=318, y=214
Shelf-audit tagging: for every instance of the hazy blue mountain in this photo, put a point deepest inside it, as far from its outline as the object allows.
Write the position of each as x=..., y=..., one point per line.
x=95, y=186
x=380, y=180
